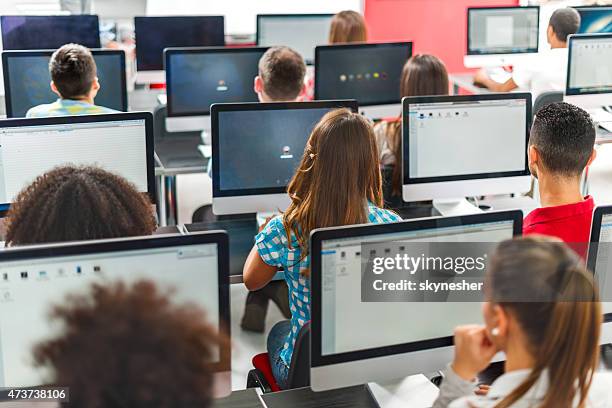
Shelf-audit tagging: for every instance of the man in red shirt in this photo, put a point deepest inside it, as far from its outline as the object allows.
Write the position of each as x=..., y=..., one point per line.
x=561, y=146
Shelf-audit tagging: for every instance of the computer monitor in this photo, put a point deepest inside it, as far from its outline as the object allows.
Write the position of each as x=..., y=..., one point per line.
x=499, y=36
x=198, y=77
x=368, y=73
x=589, y=77
x=27, y=78
x=49, y=32
x=460, y=146
x=154, y=34
x=34, y=279
x=595, y=19
x=600, y=263
x=256, y=148
x=302, y=32
x=355, y=342
x=121, y=143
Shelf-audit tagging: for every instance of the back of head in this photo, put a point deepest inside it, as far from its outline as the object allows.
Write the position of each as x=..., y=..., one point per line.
x=348, y=26
x=282, y=72
x=545, y=286
x=129, y=346
x=423, y=75
x=564, y=136
x=337, y=176
x=564, y=22
x=78, y=203
x=73, y=71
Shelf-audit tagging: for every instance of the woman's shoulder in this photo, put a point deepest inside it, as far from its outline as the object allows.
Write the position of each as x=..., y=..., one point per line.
x=377, y=215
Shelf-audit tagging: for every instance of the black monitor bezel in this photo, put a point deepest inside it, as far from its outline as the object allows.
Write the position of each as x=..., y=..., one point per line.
x=220, y=238
x=406, y=101
x=570, y=42
x=202, y=17
x=98, y=44
x=319, y=235
x=468, y=49
x=598, y=215
x=169, y=52
x=586, y=7
x=357, y=46
x=6, y=55
x=109, y=117
x=218, y=108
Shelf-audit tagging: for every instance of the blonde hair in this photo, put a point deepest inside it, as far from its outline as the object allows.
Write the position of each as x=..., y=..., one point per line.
x=348, y=26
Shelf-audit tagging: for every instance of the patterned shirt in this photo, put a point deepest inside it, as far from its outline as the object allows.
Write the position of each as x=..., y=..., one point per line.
x=66, y=107
x=273, y=248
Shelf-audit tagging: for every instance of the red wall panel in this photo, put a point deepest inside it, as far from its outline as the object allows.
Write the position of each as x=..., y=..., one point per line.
x=435, y=26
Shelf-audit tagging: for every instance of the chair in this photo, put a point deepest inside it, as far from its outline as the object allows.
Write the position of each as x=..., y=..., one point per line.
x=546, y=98
x=299, y=369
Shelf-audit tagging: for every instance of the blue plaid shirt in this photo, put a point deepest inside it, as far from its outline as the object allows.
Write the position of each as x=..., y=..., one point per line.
x=273, y=248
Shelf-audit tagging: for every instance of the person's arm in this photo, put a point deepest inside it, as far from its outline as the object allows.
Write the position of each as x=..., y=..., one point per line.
x=453, y=387
x=256, y=273
x=482, y=78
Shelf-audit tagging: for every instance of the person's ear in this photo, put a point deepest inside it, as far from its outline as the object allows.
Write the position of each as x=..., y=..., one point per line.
x=257, y=85
x=54, y=89
x=95, y=86
x=498, y=325
x=593, y=156
x=533, y=159
x=550, y=34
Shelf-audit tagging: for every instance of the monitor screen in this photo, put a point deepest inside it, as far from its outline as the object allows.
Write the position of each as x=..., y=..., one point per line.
x=197, y=78
x=343, y=323
x=450, y=138
x=26, y=79
x=31, y=147
x=503, y=30
x=35, y=280
x=280, y=29
x=154, y=34
x=600, y=256
x=269, y=138
x=595, y=19
x=49, y=32
x=590, y=59
x=369, y=73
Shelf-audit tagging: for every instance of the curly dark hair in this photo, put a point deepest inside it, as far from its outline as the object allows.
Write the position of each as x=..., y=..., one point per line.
x=78, y=203
x=129, y=346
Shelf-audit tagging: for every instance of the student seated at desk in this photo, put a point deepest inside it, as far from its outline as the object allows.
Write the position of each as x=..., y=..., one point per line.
x=338, y=182
x=78, y=203
x=561, y=146
x=548, y=328
x=422, y=75
x=280, y=79
x=73, y=78
x=548, y=70
x=130, y=346
x=348, y=26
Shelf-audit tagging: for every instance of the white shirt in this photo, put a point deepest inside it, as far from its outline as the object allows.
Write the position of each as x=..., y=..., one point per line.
x=543, y=73
x=600, y=392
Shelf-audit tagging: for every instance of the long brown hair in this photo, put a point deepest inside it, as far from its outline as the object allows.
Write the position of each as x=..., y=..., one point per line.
x=336, y=178
x=422, y=75
x=560, y=314
x=348, y=26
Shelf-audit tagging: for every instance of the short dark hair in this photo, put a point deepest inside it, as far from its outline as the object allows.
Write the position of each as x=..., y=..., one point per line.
x=78, y=203
x=564, y=22
x=282, y=72
x=564, y=136
x=73, y=70
x=129, y=346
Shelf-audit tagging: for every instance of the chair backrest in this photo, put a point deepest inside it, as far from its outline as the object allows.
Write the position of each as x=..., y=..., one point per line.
x=546, y=98
x=299, y=370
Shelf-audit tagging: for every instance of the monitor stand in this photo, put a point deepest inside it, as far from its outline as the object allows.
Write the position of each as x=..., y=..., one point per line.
x=415, y=391
x=454, y=207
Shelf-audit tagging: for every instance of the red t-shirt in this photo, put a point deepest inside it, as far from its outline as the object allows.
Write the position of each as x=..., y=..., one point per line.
x=571, y=223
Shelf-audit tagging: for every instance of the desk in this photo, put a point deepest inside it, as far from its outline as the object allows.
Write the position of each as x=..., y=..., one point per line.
x=466, y=82
x=239, y=399
x=176, y=155
x=352, y=397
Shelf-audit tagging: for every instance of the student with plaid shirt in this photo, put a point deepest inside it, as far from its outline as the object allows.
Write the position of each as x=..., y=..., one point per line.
x=338, y=182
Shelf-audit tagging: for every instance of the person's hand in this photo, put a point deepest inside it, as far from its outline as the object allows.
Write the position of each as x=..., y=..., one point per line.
x=482, y=390
x=473, y=351
x=481, y=77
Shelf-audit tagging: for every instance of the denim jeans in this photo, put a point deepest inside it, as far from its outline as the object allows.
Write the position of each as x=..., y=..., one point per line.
x=276, y=341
